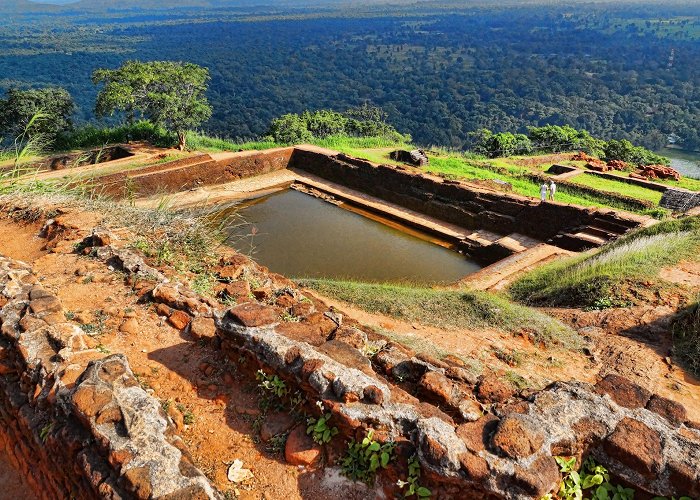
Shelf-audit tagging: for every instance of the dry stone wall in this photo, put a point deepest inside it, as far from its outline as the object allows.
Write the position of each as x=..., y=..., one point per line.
x=75, y=422
x=491, y=442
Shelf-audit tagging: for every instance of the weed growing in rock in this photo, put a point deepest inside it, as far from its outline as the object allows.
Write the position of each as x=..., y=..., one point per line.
x=277, y=443
x=319, y=430
x=271, y=384
x=287, y=317
x=516, y=380
x=203, y=283
x=412, y=486
x=512, y=358
x=364, y=458
x=45, y=431
x=103, y=349
x=592, y=479
x=187, y=415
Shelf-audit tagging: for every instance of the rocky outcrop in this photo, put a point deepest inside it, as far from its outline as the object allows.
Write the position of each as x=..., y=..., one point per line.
x=77, y=423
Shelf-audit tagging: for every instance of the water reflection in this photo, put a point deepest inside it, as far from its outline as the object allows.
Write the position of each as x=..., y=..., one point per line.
x=301, y=236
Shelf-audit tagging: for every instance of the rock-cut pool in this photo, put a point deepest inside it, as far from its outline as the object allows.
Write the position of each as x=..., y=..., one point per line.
x=301, y=236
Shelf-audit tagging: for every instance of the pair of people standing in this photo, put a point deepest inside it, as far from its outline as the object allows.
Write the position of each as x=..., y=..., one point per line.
x=548, y=190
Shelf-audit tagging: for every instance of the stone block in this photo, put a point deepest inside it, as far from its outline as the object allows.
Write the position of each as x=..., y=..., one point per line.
x=635, y=445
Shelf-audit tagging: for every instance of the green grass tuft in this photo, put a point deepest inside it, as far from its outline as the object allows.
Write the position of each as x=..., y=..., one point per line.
x=596, y=278
x=448, y=309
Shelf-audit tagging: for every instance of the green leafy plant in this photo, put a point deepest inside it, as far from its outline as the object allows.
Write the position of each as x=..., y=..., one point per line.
x=412, y=486
x=319, y=430
x=277, y=443
x=272, y=390
x=592, y=480
x=271, y=383
x=364, y=458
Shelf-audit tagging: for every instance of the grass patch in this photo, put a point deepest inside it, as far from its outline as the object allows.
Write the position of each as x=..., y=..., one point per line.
x=620, y=187
x=90, y=136
x=448, y=309
x=686, y=339
x=200, y=142
x=596, y=279
x=523, y=184
x=346, y=144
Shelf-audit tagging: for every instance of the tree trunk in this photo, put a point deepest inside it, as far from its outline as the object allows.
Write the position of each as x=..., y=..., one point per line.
x=182, y=140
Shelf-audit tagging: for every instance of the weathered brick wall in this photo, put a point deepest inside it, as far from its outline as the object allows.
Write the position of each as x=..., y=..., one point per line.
x=453, y=201
x=190, y=173
x=74, y=422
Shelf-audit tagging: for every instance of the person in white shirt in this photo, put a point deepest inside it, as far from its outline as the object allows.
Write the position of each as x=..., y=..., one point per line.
x=552, y=190
x=544, y=189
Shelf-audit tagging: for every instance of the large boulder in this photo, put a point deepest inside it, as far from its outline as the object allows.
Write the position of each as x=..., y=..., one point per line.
x=417, y=157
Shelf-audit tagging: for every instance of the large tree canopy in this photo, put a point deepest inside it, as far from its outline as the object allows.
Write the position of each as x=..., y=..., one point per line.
x=40, y=112
x=167, y=93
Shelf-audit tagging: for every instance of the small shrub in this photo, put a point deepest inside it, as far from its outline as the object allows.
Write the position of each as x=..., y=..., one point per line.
x=187, y=415
x=412, y=486
x=45, y=431
x=592, y=480
x=364, y=458
x=272, y=390
x=319, y=430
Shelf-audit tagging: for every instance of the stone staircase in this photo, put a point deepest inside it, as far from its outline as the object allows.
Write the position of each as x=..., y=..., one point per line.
x=603, y=229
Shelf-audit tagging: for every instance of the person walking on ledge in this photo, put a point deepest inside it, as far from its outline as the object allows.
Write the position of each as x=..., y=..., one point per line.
x=552, y=190
x=544, y=189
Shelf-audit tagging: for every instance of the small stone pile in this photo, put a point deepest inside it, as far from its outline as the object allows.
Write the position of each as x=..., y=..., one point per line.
x=651, y=172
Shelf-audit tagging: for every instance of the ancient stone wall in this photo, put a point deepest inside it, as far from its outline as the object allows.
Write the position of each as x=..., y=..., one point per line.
x=454, y=201
x=75, y=422
x=680, y=200
x=190, y=173
x=485, y=440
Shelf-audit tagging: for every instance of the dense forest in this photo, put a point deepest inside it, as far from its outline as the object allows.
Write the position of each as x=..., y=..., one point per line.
x=439, y=70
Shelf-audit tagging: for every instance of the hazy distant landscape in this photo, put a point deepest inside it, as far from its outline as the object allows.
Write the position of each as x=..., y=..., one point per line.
x=439, y=69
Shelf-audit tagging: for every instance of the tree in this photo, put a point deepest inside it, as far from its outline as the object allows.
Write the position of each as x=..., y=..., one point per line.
x=290, y=129
x=624, y=150
x=44, y=113
x=487, y=143
x=325, y=122
x=169, y=94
